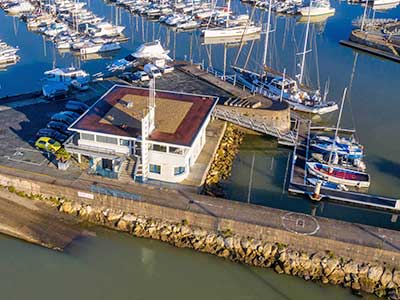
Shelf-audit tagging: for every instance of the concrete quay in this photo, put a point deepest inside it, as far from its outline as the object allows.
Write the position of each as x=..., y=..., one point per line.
x=35, y=222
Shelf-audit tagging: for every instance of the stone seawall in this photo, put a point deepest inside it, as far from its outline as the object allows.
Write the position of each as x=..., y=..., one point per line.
x=362, y=264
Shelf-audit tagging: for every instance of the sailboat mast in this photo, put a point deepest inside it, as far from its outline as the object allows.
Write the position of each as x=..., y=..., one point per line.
x=229, y=13
x=267, y=36
x=303, y=61
x=364, y=15
x=337, y=125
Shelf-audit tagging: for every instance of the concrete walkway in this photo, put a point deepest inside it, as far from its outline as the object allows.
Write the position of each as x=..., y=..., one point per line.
x=198, y=172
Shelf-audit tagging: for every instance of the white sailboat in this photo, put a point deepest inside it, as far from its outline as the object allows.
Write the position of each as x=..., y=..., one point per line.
x=231, y=30
x=317, y=8
x=283, y=87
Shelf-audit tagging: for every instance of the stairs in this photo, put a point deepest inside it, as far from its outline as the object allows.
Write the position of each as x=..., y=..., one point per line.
x=127, y=172
x=240, y=102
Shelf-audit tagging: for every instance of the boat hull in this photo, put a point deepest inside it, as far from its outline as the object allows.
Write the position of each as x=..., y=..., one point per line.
x=215, y=33
x=339, y=175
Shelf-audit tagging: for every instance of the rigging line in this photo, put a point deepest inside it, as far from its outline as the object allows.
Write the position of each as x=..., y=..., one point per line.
x=284, y=33
x=317, y=60
x=248, y=55
x=242, y=37
x=353, y=72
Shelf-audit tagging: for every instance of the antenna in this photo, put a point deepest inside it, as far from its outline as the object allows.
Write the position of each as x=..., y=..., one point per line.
x=152, y=93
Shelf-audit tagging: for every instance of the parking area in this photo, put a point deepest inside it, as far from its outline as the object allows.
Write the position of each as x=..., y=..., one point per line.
x=20, y=120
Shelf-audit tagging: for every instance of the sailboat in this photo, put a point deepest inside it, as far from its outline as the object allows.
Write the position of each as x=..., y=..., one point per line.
x=231, y=30
x=317, y=8
x=338, y=174
x=280, y=87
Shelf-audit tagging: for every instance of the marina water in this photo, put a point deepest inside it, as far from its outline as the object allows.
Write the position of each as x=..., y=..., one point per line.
x=117, y=266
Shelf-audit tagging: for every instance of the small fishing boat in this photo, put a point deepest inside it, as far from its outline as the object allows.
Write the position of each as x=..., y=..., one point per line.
x=339, y=175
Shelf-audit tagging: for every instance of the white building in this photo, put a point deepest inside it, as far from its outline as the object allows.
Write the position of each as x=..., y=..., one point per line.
x=163, y=131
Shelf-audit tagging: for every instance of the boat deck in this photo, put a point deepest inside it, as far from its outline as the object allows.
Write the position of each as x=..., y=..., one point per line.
x=298, y=179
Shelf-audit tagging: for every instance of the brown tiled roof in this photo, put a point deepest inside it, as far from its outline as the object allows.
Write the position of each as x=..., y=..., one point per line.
x=100, y=116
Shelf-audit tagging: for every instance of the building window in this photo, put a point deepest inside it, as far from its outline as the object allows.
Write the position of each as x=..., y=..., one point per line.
x=155, y=169
x=179, y=170
x=106, y=139
x=158, y=148
x=124, y=142
x=87, y=136
x=175, y=150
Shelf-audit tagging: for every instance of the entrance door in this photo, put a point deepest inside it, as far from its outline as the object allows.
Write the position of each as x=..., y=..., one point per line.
x=107, y=164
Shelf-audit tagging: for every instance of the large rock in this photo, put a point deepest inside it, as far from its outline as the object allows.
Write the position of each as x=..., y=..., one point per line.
x=396, y=278
x=375, y=273
x=329, y=264
x=351, y=267
x=386, y=278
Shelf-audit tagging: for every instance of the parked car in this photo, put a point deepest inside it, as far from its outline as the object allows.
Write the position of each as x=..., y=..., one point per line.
x=59, y=126
x=59, y=117
x=76, y=106
x=130, y=77
x=152, y=70
x=47, y=144
x=54, y=134
x=167, y=69
x=71, y=114
x=141, y=75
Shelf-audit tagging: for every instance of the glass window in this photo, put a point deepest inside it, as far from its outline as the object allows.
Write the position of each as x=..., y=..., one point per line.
x=155, y=169
x=159, y=148
x=106, y=139
x=87, y=136
x=179, y=170
x=124, y=142
x=175, y=150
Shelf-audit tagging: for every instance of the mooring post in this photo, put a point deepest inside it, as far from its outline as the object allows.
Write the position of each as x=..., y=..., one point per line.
x=316, y=196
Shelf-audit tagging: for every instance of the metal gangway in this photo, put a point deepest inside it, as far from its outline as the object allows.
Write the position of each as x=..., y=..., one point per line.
x=287, y=138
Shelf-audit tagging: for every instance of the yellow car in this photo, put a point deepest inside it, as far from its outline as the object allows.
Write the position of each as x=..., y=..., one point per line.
x=47, y=144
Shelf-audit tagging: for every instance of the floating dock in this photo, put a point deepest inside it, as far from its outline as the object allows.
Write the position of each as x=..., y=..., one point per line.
x=371, y=50
x=298, y=179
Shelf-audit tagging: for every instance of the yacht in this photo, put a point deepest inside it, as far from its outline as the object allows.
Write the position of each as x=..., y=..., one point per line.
x=146, y=52
x=67, y=75
x=8, y=54
x=231, y=31
x=105, y=29
x=91, y=47
x=20, y=7
x=317, y=8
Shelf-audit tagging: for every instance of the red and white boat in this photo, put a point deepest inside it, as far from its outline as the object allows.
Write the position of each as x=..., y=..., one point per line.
x=339, y=175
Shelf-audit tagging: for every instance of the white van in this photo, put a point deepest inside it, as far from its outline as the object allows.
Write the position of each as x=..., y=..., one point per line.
x=152, y=70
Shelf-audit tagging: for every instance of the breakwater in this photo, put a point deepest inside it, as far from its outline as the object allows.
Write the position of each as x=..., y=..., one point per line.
x=221, y=166
x=360, y=257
